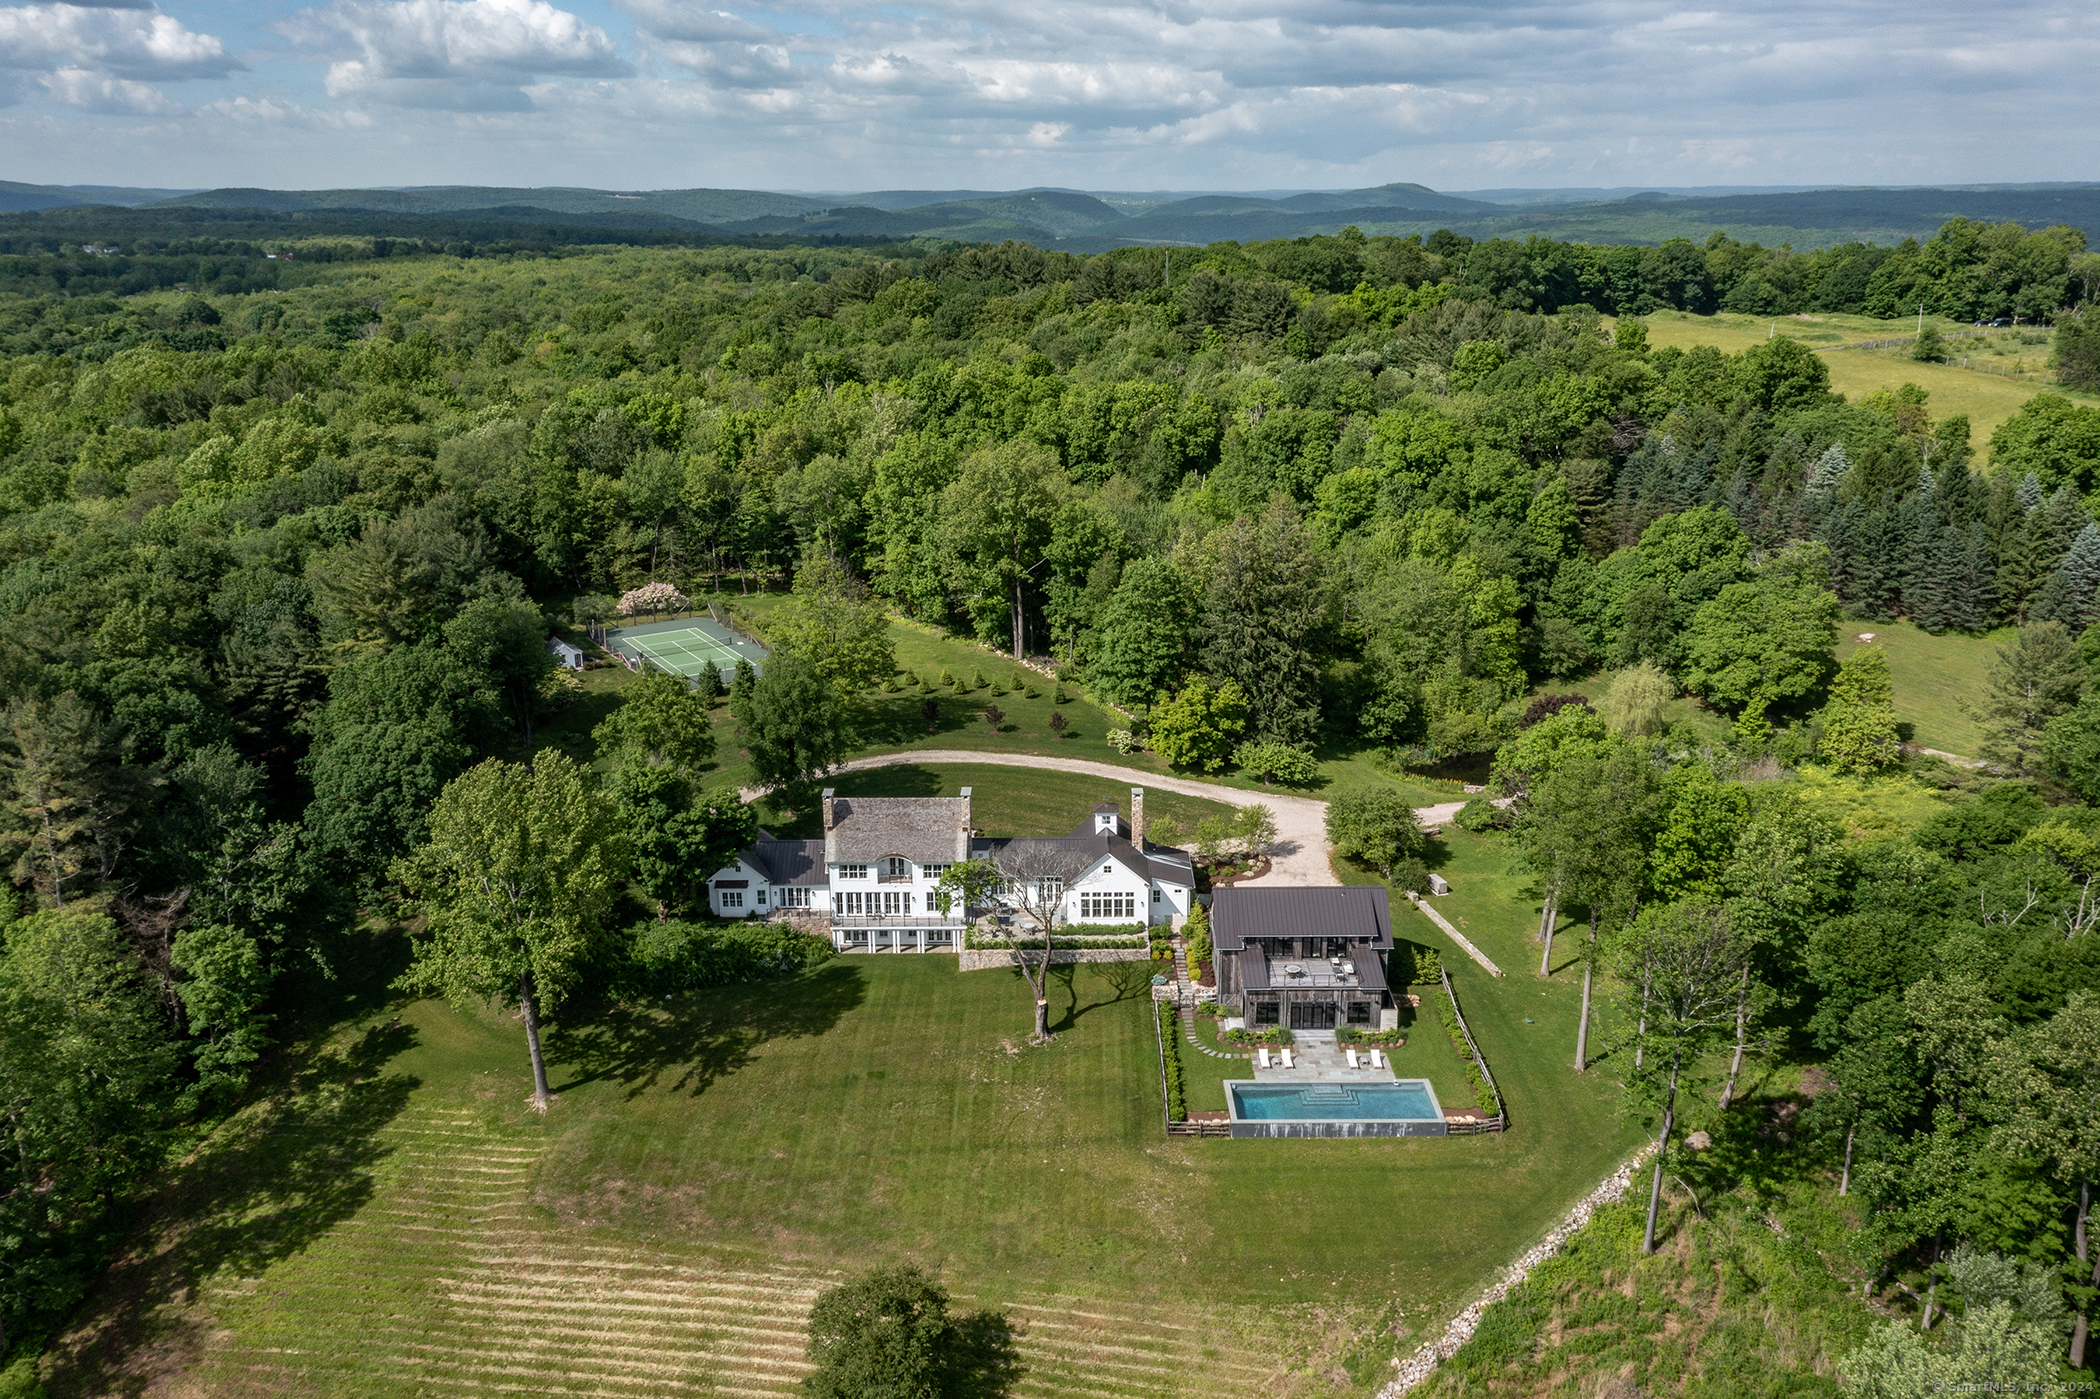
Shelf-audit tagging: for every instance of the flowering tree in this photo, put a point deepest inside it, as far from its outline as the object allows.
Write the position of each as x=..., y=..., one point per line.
x=652, y=597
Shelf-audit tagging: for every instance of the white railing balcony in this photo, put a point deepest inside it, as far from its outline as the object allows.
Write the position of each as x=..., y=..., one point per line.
x=896, y=920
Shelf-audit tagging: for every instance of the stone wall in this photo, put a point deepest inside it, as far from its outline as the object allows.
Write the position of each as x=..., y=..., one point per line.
x=985, y=959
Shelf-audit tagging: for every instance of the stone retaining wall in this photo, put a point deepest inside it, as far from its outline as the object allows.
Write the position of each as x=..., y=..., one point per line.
x=986, y=959
x=1417, y=1368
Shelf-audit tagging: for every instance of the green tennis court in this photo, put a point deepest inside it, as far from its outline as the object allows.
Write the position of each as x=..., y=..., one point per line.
x=684, y=647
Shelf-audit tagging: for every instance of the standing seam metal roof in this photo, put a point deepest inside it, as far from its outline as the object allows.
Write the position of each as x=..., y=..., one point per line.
x=1237, y=914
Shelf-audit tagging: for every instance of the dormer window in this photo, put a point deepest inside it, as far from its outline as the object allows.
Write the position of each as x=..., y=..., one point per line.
x=1104, y=823
x=896, y=867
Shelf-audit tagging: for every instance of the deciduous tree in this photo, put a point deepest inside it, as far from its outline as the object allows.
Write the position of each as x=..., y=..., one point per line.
x=512, y=889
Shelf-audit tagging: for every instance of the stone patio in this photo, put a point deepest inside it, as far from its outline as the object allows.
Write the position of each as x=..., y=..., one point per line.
x=1320, y=1060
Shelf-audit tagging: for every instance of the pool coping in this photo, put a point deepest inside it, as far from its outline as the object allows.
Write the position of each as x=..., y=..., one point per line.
x=1333, y=1126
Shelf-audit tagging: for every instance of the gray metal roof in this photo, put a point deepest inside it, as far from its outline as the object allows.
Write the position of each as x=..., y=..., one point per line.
x=924, y=830
x=1162, y=862
x=789, y=861
x=1254, y=969
x=1237, y=914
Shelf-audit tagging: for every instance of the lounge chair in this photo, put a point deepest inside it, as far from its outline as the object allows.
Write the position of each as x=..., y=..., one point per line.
x=1287, y=1060
x=1261, y=1057
x=1377, y=1060
x=1352, y=1057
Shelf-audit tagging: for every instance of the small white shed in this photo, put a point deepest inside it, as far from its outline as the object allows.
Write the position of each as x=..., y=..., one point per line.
x=567, y=656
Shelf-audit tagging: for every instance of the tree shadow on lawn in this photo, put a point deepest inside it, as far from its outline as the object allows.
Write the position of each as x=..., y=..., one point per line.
x=696, y=1039
x=269, y=1182
x=984, y=1357
x=1129, y=981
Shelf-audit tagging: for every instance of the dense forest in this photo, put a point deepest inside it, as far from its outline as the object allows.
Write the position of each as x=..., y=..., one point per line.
x=279, y=547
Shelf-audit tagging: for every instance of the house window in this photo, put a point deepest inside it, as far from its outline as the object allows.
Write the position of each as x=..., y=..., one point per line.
x=731, y=898
x=758, y=898
x=892, y=903
x=1359, y=1012
x=797, y=897
x=1265, y=1012
x=1118, y=905
x=853, y=871
x=845, y=903
x=1155, y=895
x=896, y=867
x=933, y=871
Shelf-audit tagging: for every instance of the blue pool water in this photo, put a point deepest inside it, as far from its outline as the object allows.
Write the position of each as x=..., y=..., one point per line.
x=1332, y=1102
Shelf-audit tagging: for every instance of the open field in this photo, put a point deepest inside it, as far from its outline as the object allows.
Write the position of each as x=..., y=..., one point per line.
x=396, y=1216
x=1935, y=677
x=1006, y=800
x=1988, y=398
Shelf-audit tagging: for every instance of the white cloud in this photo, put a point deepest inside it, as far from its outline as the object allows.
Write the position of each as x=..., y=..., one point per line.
x=1138, y=94
x=140, y=44
x=99, y=92
x=465, y=54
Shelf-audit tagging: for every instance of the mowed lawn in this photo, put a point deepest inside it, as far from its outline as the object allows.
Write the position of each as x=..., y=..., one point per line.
x=1936, y=678
x=397, y=1217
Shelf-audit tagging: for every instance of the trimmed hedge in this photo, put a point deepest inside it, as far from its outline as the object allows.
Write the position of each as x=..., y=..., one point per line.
x=1170, y=1044
x=1483, y=1095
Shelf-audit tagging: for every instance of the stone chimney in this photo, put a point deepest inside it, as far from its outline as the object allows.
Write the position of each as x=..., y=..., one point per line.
x=962, y=837
x=829, y=823
x=830, y=841
x=1137, y=817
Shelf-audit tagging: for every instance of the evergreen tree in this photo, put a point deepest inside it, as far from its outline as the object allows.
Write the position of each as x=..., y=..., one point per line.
x=2081, y=574
x=2029, y=493
x=1975, y=596
x=2035, y=677
x=1828, y=470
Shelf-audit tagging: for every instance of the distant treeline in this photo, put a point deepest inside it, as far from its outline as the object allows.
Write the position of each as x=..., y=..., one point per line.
x=227, y=252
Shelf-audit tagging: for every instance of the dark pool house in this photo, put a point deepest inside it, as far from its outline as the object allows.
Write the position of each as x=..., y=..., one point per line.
x=1309, y=959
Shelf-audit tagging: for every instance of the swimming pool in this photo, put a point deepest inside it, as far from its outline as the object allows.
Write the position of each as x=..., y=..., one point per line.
x=1404, y=1108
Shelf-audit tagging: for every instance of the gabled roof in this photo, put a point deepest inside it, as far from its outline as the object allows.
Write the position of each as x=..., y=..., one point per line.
x=1237, y=914
x=925, y=830
x=1162, y=862
x=788, y=861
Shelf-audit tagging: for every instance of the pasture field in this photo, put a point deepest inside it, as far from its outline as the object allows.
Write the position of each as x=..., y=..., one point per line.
x=1988, y=398
x=1935, y=678
x=393, y=1216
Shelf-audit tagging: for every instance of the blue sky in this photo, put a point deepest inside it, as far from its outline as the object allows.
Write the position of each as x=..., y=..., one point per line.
x=1099, y=94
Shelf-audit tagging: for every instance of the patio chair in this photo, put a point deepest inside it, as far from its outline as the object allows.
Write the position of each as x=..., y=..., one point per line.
x=1287, y=1063
x=1352, y=1057
x=1261, y=1057
x=1377, y=1060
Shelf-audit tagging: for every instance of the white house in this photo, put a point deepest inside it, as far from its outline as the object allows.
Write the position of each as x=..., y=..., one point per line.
x=873, y=878
x=566, y=656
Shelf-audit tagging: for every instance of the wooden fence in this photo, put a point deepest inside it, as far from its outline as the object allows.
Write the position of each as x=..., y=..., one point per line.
x=1500, y=1120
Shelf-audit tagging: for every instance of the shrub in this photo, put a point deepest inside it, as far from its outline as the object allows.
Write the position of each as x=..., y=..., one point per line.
x=1481, y=814
x=948, y=678
x=1058, y=723
x=1058, y=695
x=665, y=958
x=993, y=714
x=1032, y=692
x=652, y=597
x=1197, y=934
x=1545, y=706
x=1170, y=1044
x=1122, y=740
x=977, y=680
x=1282, y=762
x=1410, y=876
